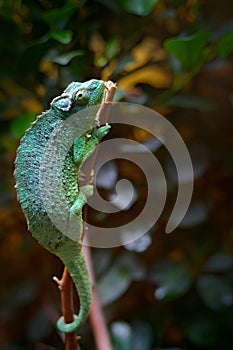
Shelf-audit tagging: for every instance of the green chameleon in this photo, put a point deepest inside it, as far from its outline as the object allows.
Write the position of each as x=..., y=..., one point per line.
x=77, y=97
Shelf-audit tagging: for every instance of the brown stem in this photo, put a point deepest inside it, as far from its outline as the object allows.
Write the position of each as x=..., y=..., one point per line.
x=66, y=284
x=66, y=288
x=97, y=320
x=103, y=113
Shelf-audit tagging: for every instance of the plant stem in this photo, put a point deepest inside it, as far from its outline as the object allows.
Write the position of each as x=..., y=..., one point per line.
x=66, y=284
x=97, y=320
x=67, y=304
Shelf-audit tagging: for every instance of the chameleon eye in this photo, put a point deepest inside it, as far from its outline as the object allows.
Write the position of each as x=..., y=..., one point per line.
x=82, y=97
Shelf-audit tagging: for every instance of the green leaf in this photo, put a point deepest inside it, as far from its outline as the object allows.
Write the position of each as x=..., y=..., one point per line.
x=225, y=44
x=202, y=331
x=216, y=292
x=188, y=49
x=196, y=214
x=112, y=47
x=21, y=123
x=133, y=265
x=219, y=263
x=59, y=16
x=122, y=62
x=143, y=335
x=65, y=58
x=114, y=283
x=191, y=101
x=140, y=244
x=136, y=337
x=63, y=37
x=173, y=279
x=122, y=336
x=33, y=54
x=138, y=7
x=101, y=260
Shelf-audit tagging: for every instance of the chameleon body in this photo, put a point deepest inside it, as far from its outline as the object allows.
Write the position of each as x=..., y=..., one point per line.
x=77, y=97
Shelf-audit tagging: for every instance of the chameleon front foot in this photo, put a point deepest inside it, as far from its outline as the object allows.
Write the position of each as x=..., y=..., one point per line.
x=68, y=327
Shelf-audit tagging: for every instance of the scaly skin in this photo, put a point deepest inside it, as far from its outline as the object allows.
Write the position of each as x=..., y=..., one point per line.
x=75, y=98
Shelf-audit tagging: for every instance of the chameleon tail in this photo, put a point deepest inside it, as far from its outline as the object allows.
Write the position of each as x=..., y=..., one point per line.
x=73, y=259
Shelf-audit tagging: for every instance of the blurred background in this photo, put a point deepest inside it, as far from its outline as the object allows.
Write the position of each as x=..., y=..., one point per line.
x=163, y=291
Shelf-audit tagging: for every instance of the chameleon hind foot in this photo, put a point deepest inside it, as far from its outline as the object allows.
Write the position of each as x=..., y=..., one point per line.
x=68, y=327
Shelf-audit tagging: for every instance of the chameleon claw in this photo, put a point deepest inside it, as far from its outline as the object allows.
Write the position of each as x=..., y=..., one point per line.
x=68, y=327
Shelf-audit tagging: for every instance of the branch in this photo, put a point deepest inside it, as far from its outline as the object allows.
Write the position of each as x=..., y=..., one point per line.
x=66, y=288
x=97, y=320
x=66, y=284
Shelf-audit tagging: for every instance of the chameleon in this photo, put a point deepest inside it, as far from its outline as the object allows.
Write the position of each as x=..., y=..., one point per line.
x=76, y=100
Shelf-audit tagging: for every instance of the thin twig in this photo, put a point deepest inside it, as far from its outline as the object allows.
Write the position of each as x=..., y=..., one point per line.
x=66, y=288
x=66, y=284
x=97, y=320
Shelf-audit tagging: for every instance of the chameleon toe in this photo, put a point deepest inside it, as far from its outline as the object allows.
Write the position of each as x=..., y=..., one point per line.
x=101, y=132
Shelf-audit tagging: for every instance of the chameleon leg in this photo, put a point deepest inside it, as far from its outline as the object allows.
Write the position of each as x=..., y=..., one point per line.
x=85, y=192
x=82, y=149
x=86, y=144
x=96, y=136
x=74, y=226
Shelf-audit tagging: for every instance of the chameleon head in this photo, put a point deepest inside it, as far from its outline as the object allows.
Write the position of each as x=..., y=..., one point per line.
x=78, y=96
